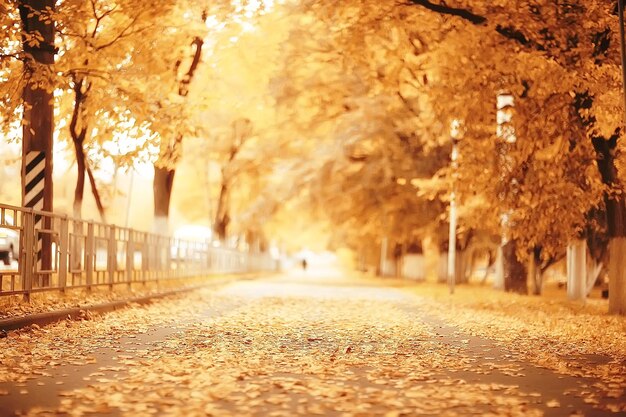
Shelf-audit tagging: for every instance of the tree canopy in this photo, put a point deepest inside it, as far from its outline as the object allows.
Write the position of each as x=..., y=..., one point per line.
x=350, y=109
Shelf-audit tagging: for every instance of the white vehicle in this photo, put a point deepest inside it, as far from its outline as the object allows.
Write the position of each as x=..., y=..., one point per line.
x=9, y=242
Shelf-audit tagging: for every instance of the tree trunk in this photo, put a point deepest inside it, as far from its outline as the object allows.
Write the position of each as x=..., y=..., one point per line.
x=398, y=260
x=96, y=193
x=514, y=271
x=79, y=191
x=78, y=139
x=162, y=188
x=442, y=266
x=470, y=264
x=222, y=219
x=401, y=261
x=616, y=222
x=460, y=268
x=532, y=275
x=536, y=271
x=617, y=275
x=498, y=280
x=577, y=270
x=539, y=277
x=491, y=260
x=360, y=260
x=77, y=246
x=594, y=268
x=383, y=257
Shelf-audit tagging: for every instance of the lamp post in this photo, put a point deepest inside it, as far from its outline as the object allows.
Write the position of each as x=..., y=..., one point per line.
x=455, y=135
x=130, y=196
x=505, y=133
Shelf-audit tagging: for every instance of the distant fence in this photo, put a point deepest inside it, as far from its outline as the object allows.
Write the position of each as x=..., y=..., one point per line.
x=86, y=254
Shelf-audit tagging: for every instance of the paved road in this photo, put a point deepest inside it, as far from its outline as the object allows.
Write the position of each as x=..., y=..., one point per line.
x=301, y=344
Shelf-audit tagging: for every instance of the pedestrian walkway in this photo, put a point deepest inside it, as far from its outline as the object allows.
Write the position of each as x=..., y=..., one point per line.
x=300, y=344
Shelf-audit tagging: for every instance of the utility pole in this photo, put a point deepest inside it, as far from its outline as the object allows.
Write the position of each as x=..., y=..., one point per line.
x=454, y=136
x=452, y=232
x=38, y=123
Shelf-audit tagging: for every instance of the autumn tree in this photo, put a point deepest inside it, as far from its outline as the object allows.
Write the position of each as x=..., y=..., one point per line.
x=99, y=64
x=440, y=61
x=586, y=89
x=171, y=144
x=218, y=28
x=235, y=139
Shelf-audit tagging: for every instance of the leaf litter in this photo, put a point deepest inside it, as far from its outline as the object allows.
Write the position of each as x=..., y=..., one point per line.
x=274, y=356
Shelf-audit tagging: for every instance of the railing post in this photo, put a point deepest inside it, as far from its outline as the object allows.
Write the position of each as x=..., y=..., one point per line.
x=111, y=256
x=89, y=254
x=180, y=264
x=63, y=252
x=156, y=258
x=27, y=253
x=130, y=257
x=162, y=256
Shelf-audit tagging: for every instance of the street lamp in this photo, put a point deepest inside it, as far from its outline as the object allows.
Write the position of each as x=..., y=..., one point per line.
x=505, y=132
x=455, y=136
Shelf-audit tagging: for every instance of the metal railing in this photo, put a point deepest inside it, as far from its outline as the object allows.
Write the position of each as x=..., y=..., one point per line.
x=64, y=253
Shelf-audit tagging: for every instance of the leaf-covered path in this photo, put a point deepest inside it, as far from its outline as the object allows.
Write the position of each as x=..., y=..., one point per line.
x=292, y=345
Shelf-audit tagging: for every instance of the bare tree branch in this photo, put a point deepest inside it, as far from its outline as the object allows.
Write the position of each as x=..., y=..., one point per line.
x=120, y=35
x=94, y=190
x=184, y=84
x=508, y=32
x=452, y=11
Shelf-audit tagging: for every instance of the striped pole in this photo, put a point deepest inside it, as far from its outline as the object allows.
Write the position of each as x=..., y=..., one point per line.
x=35, y=176
x=34, y=184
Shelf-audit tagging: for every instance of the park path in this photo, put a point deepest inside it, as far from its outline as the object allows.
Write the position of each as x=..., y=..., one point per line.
x=314, y=343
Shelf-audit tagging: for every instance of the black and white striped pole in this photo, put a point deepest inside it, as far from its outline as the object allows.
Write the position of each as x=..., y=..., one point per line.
x=38, y=128
x=34, y=193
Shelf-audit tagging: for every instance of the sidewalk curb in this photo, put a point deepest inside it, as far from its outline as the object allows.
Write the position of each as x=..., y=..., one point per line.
x=49, y=317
